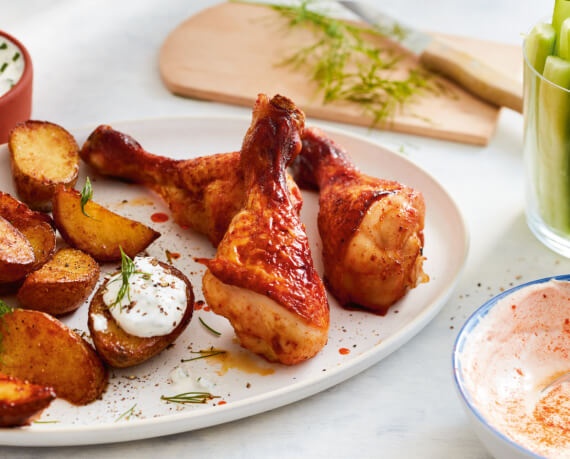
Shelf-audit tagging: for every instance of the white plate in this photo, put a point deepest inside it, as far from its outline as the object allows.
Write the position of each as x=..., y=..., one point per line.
x=369, y=338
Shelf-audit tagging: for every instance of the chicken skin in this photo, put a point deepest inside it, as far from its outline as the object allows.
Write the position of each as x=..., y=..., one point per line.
x=371, y=229
x=262, y=278
x=202, y=193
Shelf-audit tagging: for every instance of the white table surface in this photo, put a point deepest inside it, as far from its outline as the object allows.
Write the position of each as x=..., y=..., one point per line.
x=96, y=61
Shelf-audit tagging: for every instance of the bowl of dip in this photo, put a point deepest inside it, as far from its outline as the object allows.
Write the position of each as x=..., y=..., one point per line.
x=16, y=75
x=504, y=357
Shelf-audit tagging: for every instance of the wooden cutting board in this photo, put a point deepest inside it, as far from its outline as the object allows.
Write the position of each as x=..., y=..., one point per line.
x=229, y=53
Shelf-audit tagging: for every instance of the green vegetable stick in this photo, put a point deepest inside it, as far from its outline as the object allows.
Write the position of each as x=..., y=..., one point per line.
x=564, y=51
x=553, y=185
x=539, y=45
x=560, y=14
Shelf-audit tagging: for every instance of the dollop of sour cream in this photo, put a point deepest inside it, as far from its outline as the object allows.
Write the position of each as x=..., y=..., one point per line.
x=11, y=65
x=515, y=351
x=155, y=303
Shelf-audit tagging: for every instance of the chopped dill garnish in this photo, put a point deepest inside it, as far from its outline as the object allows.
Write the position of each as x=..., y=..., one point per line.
x=4, y=308
x=45, y=422
x=190, y=397
x=16, y=57
x=4, y=65
x=205, y=354
x=347, y=67
x=127, y=270
x=86, y=195
x=127, y=414
x=4, y=45
x=217, y=333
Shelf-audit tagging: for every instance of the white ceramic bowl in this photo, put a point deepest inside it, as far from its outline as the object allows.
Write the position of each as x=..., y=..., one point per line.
x=497, y=443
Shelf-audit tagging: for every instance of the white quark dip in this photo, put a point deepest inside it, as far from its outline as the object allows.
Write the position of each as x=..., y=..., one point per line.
x=11, y=65
x=156, y=301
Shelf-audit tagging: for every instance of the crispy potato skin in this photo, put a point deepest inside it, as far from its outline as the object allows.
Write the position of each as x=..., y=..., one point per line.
x=37, y=228
x=20, y=401
x=16, y=253
x=121, y=349
x=101, y=235
x=42, y=350
x=62, y=284
x=42, y=155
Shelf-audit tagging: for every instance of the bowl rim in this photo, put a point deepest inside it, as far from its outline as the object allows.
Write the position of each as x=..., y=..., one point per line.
x=469, y=325
x=28, y=69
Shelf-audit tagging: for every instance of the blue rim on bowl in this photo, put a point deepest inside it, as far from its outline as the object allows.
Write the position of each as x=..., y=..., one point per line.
x=460, y=341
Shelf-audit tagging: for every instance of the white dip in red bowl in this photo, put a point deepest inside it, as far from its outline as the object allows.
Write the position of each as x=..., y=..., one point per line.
x=507, y=353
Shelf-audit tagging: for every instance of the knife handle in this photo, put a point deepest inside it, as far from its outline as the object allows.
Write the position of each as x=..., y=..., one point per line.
x=473, y=75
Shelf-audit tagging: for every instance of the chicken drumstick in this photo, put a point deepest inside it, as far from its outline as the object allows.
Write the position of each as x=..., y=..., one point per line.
x=202, y=193
x=371, y=229
x=262, y=278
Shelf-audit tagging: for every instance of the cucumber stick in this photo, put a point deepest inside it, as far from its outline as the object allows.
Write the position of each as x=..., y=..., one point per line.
x=560, y=14
x=539, y=45
x=553, y=179
x=564, y=51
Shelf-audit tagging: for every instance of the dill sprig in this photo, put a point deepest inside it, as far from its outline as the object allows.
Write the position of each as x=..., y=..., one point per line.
x=346, y=67
x=217, y=333
x=86, y=195
x=45, y=422
x=190, y=397
x=127, y=270
x=127, y=414
x=205, y=354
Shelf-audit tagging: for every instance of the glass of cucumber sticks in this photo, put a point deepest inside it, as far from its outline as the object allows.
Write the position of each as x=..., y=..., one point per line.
x=546, y=53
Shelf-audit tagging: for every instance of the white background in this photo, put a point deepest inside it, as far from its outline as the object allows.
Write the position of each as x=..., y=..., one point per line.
x=96, y=62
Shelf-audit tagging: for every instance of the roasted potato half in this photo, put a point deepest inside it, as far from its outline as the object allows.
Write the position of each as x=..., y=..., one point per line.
x=40, y=349
x=102, y=232
x=121, y=349
x=16, y=253
x=20, y=400
x=36, y=227
x=42, y=155
x=62, y=284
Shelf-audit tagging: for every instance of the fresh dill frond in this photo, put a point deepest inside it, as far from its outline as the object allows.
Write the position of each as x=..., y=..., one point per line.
x=127, y=414
x=86, y=195
x=127, y=270
x=217, y=333
x=205, y=354
x=347, y=67
x=190, y=397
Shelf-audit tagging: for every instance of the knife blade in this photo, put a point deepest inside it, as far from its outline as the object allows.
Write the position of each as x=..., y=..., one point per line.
x=469, y=72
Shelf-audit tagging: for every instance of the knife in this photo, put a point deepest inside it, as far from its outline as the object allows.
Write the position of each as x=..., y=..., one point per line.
x=472, y=74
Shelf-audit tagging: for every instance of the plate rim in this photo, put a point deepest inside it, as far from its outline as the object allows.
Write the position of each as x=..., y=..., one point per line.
x=172, y=424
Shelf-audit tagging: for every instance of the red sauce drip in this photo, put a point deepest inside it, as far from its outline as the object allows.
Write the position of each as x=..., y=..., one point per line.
x=344, y=351
x=174, y=255
x=198, y=305
x=222, y=403
x=159, y=217
x=207, y=309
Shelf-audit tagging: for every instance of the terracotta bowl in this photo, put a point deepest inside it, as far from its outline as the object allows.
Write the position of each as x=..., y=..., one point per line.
x=16, y=104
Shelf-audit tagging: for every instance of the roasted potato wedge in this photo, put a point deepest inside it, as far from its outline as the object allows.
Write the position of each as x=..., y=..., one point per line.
x=100, y=234
x=40, y=349
x=20, y=400
x=42, y=155
x=36, y=227
x=121, y=349
x=16, y=253
x=62, y=284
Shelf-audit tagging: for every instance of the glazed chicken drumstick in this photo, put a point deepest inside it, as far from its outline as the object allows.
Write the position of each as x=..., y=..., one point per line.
x=262, y=278
x=371, y=229
x=202, y=193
